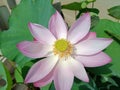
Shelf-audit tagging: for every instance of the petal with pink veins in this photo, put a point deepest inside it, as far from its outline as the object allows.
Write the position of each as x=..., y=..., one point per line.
x=96, y=60
x=63, y=78
x=41, y=34
x=92, y=46
x=34, y=49
x=46, y=80
x=40, y=69
x=57, y=26
x=78, y=69
x=79, y=29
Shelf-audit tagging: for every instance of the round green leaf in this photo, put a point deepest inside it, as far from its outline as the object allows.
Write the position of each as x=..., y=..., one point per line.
x=36, y=11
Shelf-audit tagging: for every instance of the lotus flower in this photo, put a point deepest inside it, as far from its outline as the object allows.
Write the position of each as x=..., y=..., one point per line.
x=67, y=52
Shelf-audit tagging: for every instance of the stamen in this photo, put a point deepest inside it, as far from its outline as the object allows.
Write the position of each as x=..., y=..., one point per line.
x=63, y=48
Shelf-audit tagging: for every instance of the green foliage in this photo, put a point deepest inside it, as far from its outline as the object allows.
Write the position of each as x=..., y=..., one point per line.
x=109, y=79
x=73, y=6
x=79, y=85
x=47, y=87
x=35, y=11
x=26, y=67
x=40, y=11
x=93, y=11
x=115, y=12
x=100, y=27
x=113, y=50
x=115, y=35
x=94, y=21
x=91, y=0
x=5, y=76
x=18, y=75
x=77, y=5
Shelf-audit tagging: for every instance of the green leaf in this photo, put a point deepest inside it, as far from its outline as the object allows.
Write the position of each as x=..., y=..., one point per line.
x=72, y=6
x=110, y=80
x=50, y=86
x=5, y=76
x=114, y=49
x=84, y=5
x=47, y=87
x=36, y=11
x=52, y=1
x=18, y=75
x=115, y=35
x=100, y=70
x=26, y=67
x=117, y=80
x=91, y=0
x=93, y=11
x=94, y=21
x=78, y=85
x=76, y=5
x=115, y=12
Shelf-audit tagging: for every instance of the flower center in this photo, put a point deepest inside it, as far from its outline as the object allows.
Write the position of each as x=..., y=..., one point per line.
x=63, y=48
x=61, y=45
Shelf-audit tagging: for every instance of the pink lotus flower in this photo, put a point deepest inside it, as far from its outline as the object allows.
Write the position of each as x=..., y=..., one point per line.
x=66, y=52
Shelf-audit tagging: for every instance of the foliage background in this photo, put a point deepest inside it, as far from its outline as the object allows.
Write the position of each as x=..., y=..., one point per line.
x=102, y=78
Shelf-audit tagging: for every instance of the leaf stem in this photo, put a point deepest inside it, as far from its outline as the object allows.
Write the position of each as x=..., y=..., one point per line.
x=14, y=65
x=92, y=4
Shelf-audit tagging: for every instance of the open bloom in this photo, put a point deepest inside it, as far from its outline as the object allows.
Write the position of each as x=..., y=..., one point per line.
x=67, y=52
